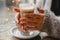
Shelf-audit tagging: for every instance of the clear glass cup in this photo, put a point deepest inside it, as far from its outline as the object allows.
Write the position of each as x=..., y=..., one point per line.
x=26, y=8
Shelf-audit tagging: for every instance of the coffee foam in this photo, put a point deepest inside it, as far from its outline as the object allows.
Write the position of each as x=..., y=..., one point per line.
x=26, y=7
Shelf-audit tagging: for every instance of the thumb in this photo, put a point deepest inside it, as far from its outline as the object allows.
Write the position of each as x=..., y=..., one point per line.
x=17, y=16
x=16, y=9
x=40, y=10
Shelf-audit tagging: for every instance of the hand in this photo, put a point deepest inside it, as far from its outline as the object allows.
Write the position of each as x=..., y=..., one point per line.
x=17, y=19
x=29, y=21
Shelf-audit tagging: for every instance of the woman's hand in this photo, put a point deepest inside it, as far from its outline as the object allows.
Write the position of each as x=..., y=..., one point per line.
x=29, y=21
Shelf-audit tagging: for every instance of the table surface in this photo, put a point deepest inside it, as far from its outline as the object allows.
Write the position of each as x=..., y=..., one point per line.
x=7, y=36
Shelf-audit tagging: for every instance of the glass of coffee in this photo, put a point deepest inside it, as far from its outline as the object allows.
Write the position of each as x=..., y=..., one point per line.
x=26, y=8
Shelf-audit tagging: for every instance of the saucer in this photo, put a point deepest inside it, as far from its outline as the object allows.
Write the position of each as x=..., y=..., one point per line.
x=16, y=33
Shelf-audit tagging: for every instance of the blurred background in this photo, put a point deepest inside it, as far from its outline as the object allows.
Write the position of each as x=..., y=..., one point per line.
x=7, y=14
